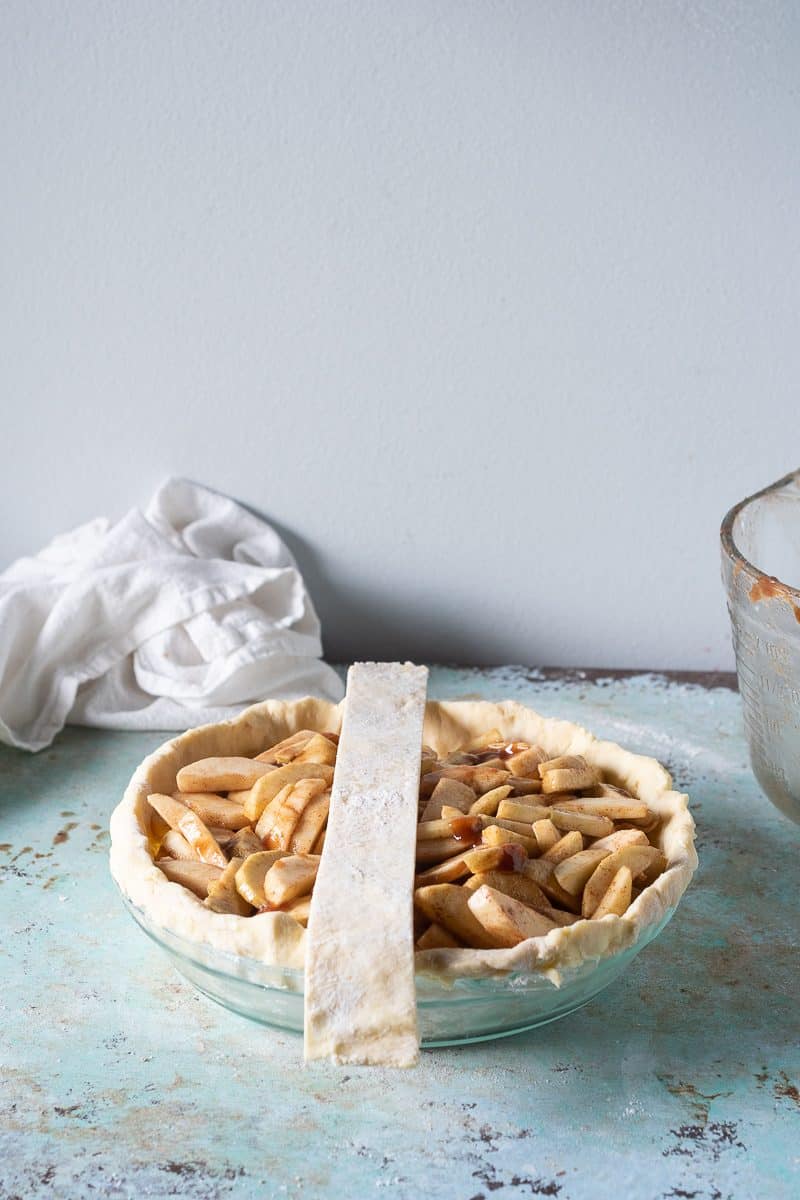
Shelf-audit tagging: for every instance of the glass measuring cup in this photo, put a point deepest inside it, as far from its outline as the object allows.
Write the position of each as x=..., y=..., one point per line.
x=761, y=571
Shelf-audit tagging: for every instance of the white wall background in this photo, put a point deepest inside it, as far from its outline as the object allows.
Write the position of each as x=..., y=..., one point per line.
x=492, y=307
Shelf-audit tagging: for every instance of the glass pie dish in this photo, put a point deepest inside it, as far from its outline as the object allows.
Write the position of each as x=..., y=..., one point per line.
x=450, y=1013
x=253, y=964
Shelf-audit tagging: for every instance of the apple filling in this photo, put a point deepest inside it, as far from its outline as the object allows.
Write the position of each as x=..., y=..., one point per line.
x=511, y=843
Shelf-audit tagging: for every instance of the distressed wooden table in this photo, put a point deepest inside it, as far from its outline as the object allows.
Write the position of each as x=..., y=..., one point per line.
x=681, y=1080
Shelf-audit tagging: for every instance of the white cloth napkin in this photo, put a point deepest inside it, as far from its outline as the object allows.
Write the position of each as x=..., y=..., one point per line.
x=167, y=619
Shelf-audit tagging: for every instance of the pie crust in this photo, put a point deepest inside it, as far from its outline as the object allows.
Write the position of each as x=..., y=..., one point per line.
x=360, y=941
x=277, y=939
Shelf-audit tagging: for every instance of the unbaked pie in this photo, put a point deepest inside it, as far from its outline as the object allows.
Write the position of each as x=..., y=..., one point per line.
x=537, y=846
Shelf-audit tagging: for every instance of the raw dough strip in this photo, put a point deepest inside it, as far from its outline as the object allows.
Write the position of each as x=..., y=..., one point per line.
x=360, y=997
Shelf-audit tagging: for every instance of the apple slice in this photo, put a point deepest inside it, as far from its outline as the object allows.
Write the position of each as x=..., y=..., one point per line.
x=220, y=774
x=617, y=896
x=213, y=809
x=290, y=877
x=250, y=876
x=222, y=894
x=445, y=904
x=196, y=876
x=268, y=787
x=506, y=921
x=199, y=837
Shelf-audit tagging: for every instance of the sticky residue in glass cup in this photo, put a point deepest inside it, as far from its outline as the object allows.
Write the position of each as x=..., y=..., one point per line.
x=761, y=571
x=770, y=588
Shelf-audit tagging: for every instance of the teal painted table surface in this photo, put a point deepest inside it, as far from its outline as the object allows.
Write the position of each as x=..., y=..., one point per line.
x=680, y=1080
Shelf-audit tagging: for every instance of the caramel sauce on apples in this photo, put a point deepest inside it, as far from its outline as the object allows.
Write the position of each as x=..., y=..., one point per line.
x=467, y=829
x=512, y=857
x=500, y=750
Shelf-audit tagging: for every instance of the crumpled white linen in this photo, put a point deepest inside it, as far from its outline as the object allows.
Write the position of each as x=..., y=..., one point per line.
x=166, y=619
